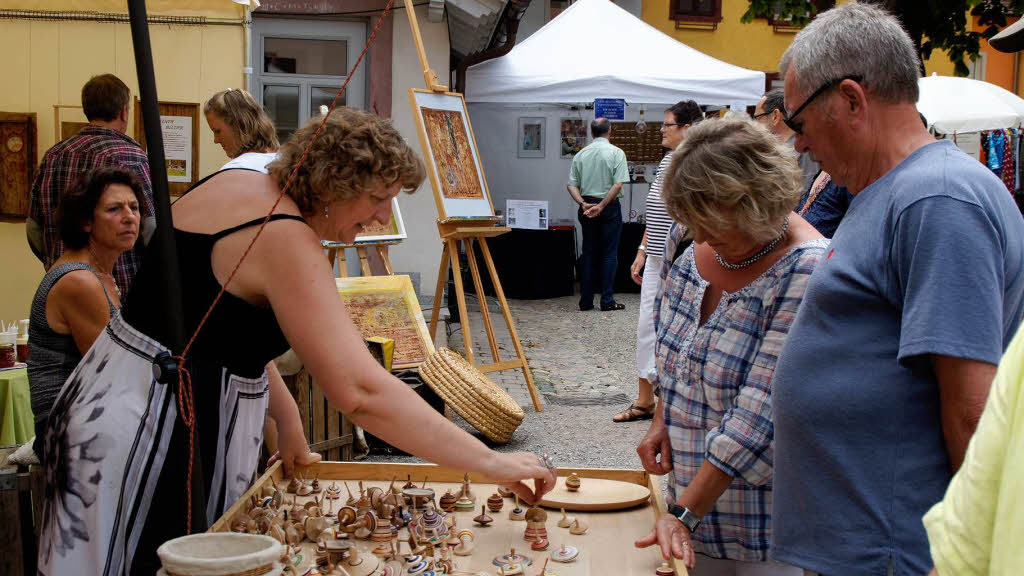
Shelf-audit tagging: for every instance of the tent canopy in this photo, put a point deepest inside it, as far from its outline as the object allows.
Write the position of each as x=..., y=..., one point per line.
x=954, y=105
x=595, y=49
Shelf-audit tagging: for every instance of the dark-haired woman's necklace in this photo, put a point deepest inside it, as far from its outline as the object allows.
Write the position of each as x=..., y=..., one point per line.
x=761, y=254
x=112, y=281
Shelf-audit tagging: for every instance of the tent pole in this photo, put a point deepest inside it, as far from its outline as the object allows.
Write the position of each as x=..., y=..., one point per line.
x=162, y=253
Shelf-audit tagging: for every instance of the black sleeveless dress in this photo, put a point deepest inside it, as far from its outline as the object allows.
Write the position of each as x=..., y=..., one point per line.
x=119, y=475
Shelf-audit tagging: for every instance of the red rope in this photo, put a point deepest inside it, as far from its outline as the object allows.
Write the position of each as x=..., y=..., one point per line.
x=185, y=404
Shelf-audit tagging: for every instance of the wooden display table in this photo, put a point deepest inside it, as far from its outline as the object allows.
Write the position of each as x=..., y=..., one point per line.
x=605, y=549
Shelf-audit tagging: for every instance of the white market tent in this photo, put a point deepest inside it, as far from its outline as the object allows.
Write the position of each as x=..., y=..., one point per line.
x=956, y=105
x=595, y=49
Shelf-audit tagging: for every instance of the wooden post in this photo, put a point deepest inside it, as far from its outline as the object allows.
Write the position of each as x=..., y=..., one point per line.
x=429, y=76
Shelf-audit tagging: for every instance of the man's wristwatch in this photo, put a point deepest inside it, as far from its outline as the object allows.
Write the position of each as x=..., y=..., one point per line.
x=686, y=516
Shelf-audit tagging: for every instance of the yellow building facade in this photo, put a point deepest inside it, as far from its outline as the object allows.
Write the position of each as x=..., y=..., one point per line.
x=759, y=46
x=52, y=47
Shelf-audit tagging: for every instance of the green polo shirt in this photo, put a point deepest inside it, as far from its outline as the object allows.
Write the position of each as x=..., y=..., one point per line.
x=598, y=167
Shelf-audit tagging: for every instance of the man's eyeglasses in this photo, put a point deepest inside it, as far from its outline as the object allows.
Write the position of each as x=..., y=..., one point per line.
x=761, y=115
x=790, y=119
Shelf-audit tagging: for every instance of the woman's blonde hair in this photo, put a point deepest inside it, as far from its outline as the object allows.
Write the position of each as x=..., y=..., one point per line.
x=732, y=172
x=355, y=152
x=254, y=130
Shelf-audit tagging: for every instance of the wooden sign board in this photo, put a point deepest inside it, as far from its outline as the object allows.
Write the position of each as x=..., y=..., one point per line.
x=387, y=306
x=451, y=154
x=17, y=162
x=181, y=142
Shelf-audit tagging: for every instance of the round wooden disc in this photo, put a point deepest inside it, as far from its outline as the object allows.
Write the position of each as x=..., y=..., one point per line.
x=596, y=494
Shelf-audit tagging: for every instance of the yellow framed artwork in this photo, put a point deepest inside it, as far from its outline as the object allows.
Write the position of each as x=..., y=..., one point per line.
x=451, y=154
x=386, y=306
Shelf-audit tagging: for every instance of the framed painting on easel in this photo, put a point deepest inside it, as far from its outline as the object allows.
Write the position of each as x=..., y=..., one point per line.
x=392, y=232
x=386, y=306
x=452, y=157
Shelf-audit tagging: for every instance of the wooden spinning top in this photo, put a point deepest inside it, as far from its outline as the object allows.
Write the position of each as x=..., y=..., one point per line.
x=664, y=570
x=539, y=544
x=447, y=501
x=572, y=483
x=495, y=502
x=483, y=519
x=293, y=485
x=565, y=521
x=504, y=492
x=333, y=492
x=578, y=527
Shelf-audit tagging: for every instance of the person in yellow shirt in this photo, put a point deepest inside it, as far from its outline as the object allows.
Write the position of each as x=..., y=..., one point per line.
x=978, y=526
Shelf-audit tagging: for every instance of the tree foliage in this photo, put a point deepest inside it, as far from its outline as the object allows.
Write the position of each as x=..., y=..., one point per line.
x=932, y=24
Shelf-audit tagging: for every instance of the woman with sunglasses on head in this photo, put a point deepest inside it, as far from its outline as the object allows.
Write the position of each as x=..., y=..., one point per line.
x=647, y=264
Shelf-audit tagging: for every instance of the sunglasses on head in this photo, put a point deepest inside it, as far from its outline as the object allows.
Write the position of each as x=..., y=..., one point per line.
x=790, y=119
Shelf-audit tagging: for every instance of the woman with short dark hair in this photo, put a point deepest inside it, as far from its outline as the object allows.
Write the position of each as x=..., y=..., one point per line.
x=98, y=219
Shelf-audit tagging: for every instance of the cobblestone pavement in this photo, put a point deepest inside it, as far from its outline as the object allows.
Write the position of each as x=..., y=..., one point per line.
x=583, y=364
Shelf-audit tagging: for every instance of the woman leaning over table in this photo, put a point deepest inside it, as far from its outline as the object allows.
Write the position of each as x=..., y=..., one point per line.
x=722, y=313
x=117, y=455
x=98, y=219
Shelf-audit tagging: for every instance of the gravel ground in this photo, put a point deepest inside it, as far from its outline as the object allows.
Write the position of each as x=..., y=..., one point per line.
x=584, y=365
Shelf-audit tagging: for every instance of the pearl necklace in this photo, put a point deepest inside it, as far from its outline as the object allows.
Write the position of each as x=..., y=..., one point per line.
x=761, y=254
x=112, y=281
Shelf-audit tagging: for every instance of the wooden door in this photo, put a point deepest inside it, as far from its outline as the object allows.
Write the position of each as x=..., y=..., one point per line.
x=17, y=162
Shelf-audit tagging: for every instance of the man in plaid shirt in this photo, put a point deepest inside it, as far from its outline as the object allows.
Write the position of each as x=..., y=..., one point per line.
x=102, y=142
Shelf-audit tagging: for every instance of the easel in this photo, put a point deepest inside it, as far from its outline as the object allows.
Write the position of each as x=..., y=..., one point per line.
x=336, y=256
x=467, y=231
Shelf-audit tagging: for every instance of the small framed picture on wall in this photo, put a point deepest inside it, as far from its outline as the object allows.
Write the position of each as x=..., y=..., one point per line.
x=530, y=137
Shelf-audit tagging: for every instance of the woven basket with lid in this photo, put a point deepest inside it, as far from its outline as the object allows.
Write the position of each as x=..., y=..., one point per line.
x=472, y=395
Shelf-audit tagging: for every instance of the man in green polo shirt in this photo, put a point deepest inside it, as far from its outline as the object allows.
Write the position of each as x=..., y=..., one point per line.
x=595, y=182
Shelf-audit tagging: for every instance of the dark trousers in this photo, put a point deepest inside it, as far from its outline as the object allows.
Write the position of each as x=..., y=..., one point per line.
x=600, y=256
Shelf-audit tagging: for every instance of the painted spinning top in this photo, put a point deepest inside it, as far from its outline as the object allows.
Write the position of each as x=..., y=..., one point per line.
x=539, y=544
x=447, y=501
x=483, y=519
x=333, y=492
x=495, y=502
x=565, y=554
x=517, y=513
x=464, y=503
x=664, y=570
x=511, y=559
x=431, y=526
x=572, y=483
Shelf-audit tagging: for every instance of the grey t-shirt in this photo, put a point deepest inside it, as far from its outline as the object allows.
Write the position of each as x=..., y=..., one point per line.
x=929, y=259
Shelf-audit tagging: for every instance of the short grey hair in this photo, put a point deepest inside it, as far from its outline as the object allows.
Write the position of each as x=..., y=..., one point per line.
x=855, y=39
x=774, y=100
x=732, y=173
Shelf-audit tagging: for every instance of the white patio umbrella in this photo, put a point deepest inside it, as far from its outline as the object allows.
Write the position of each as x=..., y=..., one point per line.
x=954, y=105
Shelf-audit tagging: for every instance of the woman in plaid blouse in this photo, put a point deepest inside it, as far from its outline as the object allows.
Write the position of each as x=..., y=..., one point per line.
x=721, y=316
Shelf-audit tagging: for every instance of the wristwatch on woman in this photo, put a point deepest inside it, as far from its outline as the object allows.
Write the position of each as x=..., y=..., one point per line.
x=642, y=248
x=686, y=516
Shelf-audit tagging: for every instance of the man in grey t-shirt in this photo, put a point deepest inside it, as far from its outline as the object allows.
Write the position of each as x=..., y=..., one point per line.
x=888, y=363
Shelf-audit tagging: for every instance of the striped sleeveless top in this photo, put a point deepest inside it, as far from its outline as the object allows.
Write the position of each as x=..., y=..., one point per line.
x=658, y=220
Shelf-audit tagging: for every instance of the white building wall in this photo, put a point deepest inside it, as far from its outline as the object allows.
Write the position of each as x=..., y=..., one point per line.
x=421, y=252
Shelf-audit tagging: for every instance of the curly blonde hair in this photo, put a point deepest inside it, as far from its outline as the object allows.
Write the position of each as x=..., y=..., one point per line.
x=254, y=130
x=355, y=152
x=732, y=172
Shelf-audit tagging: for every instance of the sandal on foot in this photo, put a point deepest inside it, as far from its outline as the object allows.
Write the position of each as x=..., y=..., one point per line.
x=635, y=412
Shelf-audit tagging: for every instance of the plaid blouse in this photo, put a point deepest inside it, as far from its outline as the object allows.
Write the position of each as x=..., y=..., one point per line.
x=716, y=388
x=62, y=164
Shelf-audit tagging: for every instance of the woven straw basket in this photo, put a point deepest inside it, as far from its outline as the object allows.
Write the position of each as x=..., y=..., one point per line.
x=472, y=395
